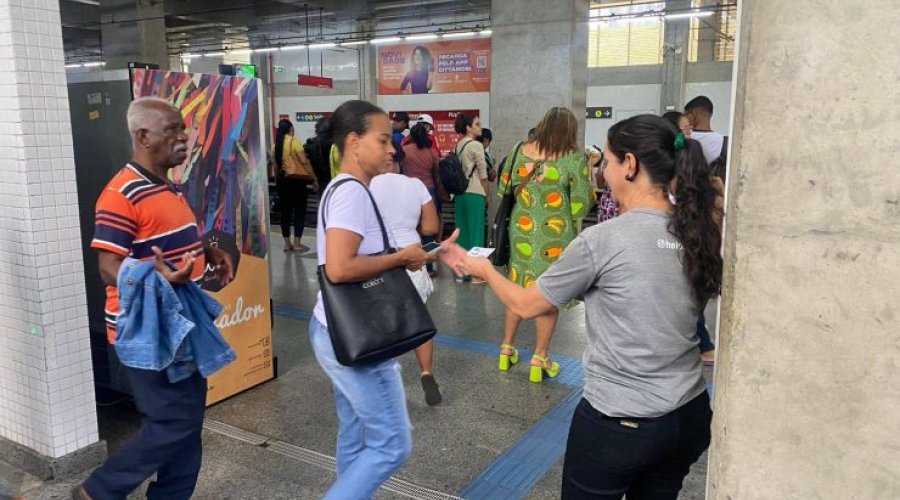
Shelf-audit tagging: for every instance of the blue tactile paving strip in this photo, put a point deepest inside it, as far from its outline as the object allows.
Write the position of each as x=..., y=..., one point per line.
x=518, y=469
x=292, y=312
x=515, y=472
x=571, y=373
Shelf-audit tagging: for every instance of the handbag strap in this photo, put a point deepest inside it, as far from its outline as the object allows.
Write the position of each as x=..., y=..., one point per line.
x=327, y=198
x=531, y=174
x=509, y=165
x=471, y=172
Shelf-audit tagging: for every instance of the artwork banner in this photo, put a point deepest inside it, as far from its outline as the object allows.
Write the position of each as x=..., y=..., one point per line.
x=224, y=180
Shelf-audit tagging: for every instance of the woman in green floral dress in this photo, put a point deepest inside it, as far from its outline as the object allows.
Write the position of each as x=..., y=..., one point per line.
x=555, y=196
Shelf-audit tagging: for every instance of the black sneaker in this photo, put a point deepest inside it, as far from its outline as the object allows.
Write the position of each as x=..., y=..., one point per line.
x=432, y=393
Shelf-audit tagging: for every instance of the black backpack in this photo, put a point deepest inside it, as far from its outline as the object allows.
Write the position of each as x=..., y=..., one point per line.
x=453, y=177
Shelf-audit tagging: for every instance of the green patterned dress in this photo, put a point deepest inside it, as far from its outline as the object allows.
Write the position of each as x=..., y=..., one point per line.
x=544, y=219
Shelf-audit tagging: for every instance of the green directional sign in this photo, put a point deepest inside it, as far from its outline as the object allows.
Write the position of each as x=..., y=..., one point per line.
x=601, y=112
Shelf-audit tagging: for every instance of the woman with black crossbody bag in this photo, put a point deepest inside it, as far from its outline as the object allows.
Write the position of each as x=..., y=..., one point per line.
x=347, y=333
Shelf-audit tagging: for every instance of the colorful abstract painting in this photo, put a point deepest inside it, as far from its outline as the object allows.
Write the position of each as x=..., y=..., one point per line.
x=225, y=181
x=224, y=176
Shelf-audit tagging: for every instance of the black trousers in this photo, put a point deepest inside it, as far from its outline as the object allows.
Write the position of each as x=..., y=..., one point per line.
x=293, y=195
x=640, y=458
x=169, y=442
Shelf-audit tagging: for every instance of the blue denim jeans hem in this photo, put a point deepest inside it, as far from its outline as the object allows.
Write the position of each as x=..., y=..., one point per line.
x=374, y=433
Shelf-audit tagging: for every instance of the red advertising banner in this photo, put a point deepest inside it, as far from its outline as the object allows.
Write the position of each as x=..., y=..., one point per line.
x=440, y=67
x=315, y=81
x=443, y=125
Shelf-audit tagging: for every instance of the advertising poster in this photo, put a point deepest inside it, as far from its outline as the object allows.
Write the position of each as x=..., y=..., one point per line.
x=224, y=179
x=439, y=67
x=443, y=126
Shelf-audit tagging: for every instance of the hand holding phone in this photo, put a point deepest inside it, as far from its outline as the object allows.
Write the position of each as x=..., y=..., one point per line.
x=432, y=248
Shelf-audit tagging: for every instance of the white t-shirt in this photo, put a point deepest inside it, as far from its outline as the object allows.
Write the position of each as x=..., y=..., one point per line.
x=400, y=199
x=711, y=142
x=348, y=208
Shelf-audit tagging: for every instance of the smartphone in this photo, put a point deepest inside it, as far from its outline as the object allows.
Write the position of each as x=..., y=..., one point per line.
x=431, y=248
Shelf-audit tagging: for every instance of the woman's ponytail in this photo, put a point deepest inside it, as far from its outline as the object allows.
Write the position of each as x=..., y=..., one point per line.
x=674, y=162
x=284, y=128
x=693, y=222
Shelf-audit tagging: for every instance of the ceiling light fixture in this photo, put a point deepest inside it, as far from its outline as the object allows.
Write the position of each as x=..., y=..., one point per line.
x=485, y=32
x=267, y=49
x=431, y=36
x=459, y=34
x=94, y=64
x=355, y=42
x=389, y=39
x=293, y=47
x=240, y=52
x=191, y=56
x=649, y=16
x=693, y=13
x=214, y=54
x=326, y=45
x=70, y=66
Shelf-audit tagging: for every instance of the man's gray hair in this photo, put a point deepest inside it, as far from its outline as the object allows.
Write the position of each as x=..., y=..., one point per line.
x=143, y=110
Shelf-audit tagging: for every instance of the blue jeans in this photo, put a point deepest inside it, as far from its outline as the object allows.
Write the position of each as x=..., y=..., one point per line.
x=706, y=343
x=168, y=444
x=374, y=434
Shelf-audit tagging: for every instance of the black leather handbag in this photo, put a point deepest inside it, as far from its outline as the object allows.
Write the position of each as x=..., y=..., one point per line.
x=499, y=234
x=376, y=319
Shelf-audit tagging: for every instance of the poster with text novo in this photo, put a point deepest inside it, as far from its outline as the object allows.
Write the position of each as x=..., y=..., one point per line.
x=224, y=179
x=439, y=67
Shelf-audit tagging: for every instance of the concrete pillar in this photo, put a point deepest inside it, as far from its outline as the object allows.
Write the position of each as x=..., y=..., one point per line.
x=539, y=60
x=707, y=34
x=808, y=370
x=368, y=63
x=48, y=419
x=134, y=30
x=675, y=52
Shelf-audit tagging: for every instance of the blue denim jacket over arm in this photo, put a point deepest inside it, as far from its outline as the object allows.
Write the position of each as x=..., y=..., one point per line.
x=165, y=327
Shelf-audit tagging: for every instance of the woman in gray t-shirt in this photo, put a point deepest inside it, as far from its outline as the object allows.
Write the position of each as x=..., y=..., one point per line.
x=644, y=276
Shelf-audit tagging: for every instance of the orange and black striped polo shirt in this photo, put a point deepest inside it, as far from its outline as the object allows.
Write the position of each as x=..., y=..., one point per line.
x=135, y=212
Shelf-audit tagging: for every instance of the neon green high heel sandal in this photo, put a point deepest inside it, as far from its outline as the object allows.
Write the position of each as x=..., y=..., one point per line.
x=508, y=356
x=541, y=365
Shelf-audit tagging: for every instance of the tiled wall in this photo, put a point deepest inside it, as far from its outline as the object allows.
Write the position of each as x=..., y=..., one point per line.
x=46, y=382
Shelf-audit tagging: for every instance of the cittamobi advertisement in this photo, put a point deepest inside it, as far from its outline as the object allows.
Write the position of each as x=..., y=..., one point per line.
x=440, y=67
x=224, y=179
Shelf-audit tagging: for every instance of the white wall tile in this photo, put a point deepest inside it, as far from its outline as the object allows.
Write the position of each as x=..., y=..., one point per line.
x=46, y=384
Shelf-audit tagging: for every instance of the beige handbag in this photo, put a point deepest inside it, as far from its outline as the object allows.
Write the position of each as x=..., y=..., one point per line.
x=296, y=166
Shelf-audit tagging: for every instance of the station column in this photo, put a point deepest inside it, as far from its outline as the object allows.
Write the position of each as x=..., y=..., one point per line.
x=48, y=418
x=539, y=60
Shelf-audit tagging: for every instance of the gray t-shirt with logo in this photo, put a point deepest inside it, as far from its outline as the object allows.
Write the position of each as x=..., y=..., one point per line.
x=641, y=358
